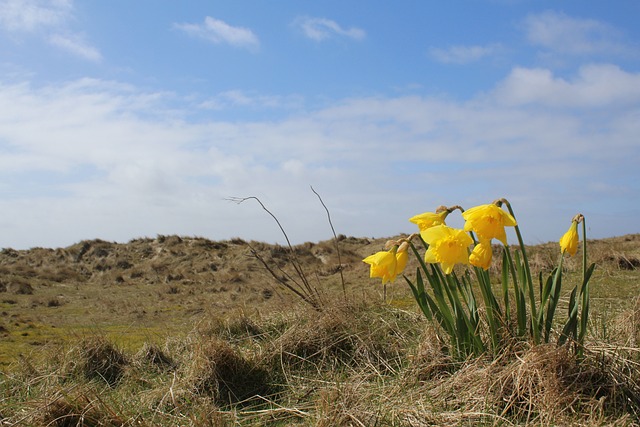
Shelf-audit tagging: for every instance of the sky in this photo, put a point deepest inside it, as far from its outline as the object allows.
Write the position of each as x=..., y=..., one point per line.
x=125, y=119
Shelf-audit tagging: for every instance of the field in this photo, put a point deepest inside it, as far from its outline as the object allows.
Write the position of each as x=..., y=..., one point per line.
x=187, y=331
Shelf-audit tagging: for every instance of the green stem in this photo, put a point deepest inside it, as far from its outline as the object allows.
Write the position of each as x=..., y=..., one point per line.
x=554, y=296
x=491, y=306
x=532, y=300
x=586, y=275
x=584, y=250
x=521, y=315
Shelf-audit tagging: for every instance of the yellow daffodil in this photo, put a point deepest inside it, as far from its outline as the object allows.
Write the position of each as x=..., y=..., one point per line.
x=481, y=255
x=569, y=242
x=447, y=246
x=428, y=219
x=401, y=261
x=488, y=222
x=387, y=264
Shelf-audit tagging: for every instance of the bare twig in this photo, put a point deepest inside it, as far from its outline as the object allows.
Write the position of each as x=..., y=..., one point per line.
x=335, y=239
x=305, y=290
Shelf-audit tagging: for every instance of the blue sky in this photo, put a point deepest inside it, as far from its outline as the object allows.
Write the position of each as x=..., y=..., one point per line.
x=124, y=119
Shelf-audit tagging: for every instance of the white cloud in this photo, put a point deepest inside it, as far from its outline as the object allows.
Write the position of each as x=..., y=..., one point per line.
x=217, y=31
x=240, y=98
x=595, y=85
x=463, y=54
x=50, y=19
x=75, y=44
x=295, y=167
x=320, y=29
x=560, y=33
x=98, y=159
x=31, y=15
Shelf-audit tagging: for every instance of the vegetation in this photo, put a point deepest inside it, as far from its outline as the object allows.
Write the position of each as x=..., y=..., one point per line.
x=473, y=329
x=187, y=331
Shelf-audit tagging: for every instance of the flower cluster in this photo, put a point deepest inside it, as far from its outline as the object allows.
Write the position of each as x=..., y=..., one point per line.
x=451, y=300
x=449, y=246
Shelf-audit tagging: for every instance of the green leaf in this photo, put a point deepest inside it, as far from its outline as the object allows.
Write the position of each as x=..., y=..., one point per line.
x=419, y=295
x=554, y=296
x=505, y=284
x=569, y=329
x=584, y=316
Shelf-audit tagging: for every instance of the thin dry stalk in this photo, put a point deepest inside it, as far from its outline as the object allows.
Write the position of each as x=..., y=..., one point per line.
x=303, y=287
x=336, y=241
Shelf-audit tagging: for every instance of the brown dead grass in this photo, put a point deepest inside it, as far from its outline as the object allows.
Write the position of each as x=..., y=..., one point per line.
x=188, y=331
x=367, y=364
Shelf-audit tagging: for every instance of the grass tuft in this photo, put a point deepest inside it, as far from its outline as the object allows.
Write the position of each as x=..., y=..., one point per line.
x=101, y=360
x=218, y=370
x=350, y=335
x=152, y=356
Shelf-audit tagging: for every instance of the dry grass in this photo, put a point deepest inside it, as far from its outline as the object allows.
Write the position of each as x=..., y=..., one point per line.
x=218, y=370
x=359, y=369
x=186, y=331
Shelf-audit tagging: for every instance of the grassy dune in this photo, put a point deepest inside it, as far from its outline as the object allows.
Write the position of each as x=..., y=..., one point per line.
x=187, y=331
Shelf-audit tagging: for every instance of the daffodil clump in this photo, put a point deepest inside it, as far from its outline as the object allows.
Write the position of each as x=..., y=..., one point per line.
x=463, y=302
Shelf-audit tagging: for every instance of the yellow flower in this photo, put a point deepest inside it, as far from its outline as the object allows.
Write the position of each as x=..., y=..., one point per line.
x=488, y=222
x=401, y=261
x=569, y=242
x=428, y=219
x=387, y=264
x=447, y=246
x=481, y=255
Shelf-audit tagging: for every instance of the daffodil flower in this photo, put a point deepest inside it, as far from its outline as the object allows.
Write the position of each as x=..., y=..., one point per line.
x=481, y=255
x=401, y=261
x=428, y=219
x=387, y=264
x=488, y=222
x=569, y=241
x=447, y=246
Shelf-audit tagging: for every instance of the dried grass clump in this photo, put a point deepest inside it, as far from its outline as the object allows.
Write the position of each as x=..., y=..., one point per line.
x=623, y=261
x=344, y=405
x=72, y=410
x=99, y=359
x=431, y=361
x=19, y=287
x=150, y=355
x=612, y=375
x=232, y=328
x=543, y=385
x=339, y=336
x=549, y=385
x=533, y=386
x=463, y=391
x=222, y=372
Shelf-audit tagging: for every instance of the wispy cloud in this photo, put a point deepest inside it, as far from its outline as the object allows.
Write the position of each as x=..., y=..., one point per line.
x=320, y=29
x=560, y=33
x=32, y=15
x=463, y=54
x=76, y=44
x=596, y=85
x=244, y=99
x=217, y=31
x=49, y=19
x=118, y=163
